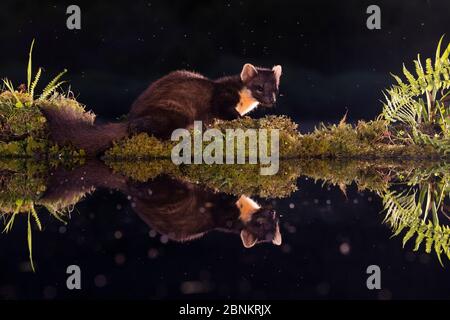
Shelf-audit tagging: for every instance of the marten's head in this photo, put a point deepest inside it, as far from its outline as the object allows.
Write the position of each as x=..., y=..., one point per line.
x=262, y=83
x=259, y=224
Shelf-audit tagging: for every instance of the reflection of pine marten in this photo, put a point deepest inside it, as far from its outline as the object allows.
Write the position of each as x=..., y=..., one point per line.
x=183, y=211
x=174, y=101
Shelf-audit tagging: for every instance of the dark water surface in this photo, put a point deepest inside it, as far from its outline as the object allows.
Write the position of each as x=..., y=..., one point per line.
x=126, y=241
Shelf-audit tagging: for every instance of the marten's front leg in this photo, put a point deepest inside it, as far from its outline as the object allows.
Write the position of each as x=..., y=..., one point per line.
x=160, y=124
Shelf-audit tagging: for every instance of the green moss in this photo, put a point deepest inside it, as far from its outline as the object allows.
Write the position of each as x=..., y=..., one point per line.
x=24, y=132
x=141, y=146
x=16, y=122
x=366, y=140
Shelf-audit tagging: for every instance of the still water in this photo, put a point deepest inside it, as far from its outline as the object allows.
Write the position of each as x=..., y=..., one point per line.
x=150, y=231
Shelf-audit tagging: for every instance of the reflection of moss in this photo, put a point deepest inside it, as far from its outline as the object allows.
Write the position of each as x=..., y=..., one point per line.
x=238, y=179
x=143, y=170
x=21, y=180
x=25, y=180
x=244, y=179
x=232, y=179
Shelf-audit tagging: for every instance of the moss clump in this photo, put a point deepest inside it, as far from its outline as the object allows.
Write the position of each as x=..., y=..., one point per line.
x=366, y=140
x=23, y=130
x=19, y=122
x=141, y=146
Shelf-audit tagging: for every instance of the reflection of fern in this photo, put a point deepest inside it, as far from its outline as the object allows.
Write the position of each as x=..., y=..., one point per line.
x=29, y=206
x=409, y=210
x=435, y=235
x=399, y=207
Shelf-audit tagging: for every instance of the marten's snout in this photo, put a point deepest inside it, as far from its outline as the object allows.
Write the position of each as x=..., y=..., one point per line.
x=270, y=100
x=263, y=227
x=264, y=222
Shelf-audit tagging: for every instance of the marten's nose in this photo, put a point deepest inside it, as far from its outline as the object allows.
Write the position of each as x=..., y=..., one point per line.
x=273, y=98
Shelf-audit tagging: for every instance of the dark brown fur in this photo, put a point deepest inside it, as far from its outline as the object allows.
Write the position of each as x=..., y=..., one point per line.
x=180, y=98
x=79, y=130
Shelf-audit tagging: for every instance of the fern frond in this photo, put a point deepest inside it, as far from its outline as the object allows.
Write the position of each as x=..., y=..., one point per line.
x=29, y=241
x=29, y=68
x=10, y=88
x=35, y=82
x=35, y=216
x=10, y=223
x=437, y=59
x=53, y=85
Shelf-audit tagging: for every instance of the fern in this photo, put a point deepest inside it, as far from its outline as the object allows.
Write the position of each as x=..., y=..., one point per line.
x=29, y=241
x=418, y=99
x=35, y=216
x=35, y=81
x=10, y=87
x=53, y=85
x=399, y=206
x=29, y=67
x=10, y=223
x=32, y=82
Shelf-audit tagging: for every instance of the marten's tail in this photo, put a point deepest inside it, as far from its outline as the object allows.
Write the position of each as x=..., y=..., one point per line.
x=70, y=126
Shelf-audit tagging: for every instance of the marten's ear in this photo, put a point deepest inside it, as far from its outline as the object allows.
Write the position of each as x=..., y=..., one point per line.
x=248, y=239
x=277, y=237
x=277, y=72
x=248, y=72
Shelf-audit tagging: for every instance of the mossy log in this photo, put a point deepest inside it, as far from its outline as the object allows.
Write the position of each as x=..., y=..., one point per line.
x=365, y=140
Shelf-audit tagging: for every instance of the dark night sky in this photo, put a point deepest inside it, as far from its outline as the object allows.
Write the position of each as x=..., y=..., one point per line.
x=331, y=61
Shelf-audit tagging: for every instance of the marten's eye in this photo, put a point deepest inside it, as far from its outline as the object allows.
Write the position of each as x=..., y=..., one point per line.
x=259, y=88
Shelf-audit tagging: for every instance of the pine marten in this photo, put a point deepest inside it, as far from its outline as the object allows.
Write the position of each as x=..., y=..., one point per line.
x=174, y=101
